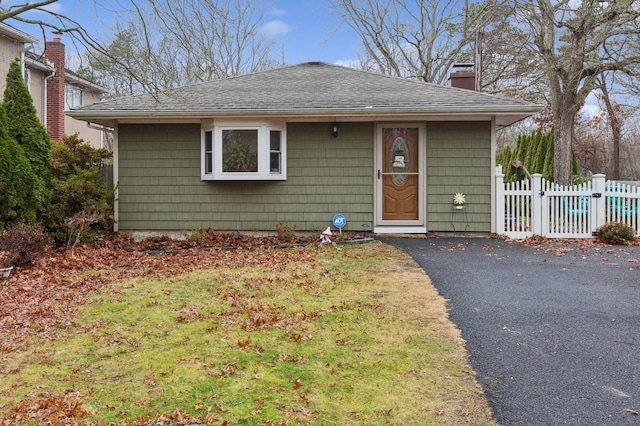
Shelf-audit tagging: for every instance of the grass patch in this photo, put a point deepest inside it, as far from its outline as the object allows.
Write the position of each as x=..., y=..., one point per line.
x=331, y=335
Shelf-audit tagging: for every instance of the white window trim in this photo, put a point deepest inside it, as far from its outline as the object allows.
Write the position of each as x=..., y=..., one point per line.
x=77, y=96
x=264, y=149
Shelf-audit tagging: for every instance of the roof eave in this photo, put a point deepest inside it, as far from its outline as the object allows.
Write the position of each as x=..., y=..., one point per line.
x=79, y=81
x=16, y=34
x=505, y=115
x=38, y=65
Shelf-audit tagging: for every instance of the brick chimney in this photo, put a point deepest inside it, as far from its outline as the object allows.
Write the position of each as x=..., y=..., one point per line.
x=54, y=52
x=463, y=76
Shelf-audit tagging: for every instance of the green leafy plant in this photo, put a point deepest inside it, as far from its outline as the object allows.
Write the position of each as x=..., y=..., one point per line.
x=615, y=233
x=20, y=198
x=21, y=190
x=78, y=188
x=535, y=152
x=238, y=158
x=23, y=123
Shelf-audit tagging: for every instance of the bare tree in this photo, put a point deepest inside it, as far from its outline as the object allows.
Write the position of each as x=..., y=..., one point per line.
x=124, y=52
x=216, y=38
x=576, y=42
x=16, y=10
x=417, y=38
x=592, y=144
x=51, y=21
x=170, y=43
x=552, y=50
x=615, y=117
x=162, y=43
x=630, y=166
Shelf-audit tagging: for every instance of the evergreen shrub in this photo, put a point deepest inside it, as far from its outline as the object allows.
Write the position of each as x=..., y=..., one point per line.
x=615, y=233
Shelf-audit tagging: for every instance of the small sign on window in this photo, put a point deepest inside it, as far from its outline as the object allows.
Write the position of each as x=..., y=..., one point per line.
x=398, y=161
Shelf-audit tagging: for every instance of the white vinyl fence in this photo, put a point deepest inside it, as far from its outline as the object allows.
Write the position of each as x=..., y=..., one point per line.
x=539, y=207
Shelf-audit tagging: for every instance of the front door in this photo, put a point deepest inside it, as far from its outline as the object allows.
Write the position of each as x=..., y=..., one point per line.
x=399, y=177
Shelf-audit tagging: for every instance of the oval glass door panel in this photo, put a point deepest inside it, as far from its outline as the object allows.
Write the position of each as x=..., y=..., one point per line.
x=400, y=161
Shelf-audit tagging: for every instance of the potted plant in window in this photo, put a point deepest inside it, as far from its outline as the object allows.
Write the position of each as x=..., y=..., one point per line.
x=7, y=260
x=238, y=158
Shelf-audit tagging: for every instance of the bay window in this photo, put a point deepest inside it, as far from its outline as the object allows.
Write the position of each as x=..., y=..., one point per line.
x=243, y=150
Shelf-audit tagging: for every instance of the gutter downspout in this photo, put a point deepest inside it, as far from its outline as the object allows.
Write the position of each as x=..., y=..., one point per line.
x=102, y=129
x=22, y=64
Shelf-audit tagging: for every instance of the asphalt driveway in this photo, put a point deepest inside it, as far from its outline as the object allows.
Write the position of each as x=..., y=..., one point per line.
x=553, y=331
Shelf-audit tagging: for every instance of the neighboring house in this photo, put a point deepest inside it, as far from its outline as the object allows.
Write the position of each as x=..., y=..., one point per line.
x=301, y=143
x=13, y=44
x=54, y=89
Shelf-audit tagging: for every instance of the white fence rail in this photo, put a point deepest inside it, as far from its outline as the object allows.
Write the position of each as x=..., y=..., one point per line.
x=539, y=207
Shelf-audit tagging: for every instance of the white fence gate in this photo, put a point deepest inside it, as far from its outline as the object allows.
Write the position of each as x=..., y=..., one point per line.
x=539, y=207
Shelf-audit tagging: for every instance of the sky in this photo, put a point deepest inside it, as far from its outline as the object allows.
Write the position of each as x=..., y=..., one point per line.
x=304, y=30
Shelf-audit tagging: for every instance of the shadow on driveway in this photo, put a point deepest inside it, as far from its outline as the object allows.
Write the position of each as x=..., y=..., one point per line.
x=553, y=331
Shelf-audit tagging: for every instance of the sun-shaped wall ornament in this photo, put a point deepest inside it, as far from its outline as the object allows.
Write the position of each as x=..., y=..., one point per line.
x=459, y=200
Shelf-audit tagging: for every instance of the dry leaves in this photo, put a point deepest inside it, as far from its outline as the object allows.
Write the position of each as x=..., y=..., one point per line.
x=43, y=298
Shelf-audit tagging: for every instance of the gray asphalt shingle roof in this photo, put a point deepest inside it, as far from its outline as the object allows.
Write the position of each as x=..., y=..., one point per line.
x=308, y=89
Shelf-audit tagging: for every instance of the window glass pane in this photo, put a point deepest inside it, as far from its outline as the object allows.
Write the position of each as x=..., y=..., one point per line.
x=275, y=155
x=275, y=162
x=73, y=97
x=208, y=166
x=208, y=152
x=208, y=141
x=275, y=139
x=240, y=150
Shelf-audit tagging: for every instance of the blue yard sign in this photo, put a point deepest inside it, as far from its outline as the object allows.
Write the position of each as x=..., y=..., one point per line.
x=339, y=221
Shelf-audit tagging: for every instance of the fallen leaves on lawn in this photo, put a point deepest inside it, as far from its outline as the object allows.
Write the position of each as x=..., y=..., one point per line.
x=43, y=298
x=68, y=410
x=226, y=371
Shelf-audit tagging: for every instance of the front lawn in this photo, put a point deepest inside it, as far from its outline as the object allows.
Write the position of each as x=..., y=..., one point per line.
x=346, y=334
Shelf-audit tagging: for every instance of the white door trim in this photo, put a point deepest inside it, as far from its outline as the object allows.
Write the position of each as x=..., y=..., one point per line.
x=407, y=225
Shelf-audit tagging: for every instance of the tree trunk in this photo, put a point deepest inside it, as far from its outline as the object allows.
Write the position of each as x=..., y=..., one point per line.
x=563, y=134
x=614, y=124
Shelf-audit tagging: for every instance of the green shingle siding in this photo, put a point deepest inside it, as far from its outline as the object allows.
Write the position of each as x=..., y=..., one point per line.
x=459, y=160
x=160, y=186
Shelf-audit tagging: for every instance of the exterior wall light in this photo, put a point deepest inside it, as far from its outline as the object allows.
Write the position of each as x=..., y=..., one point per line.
x=335, y=130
